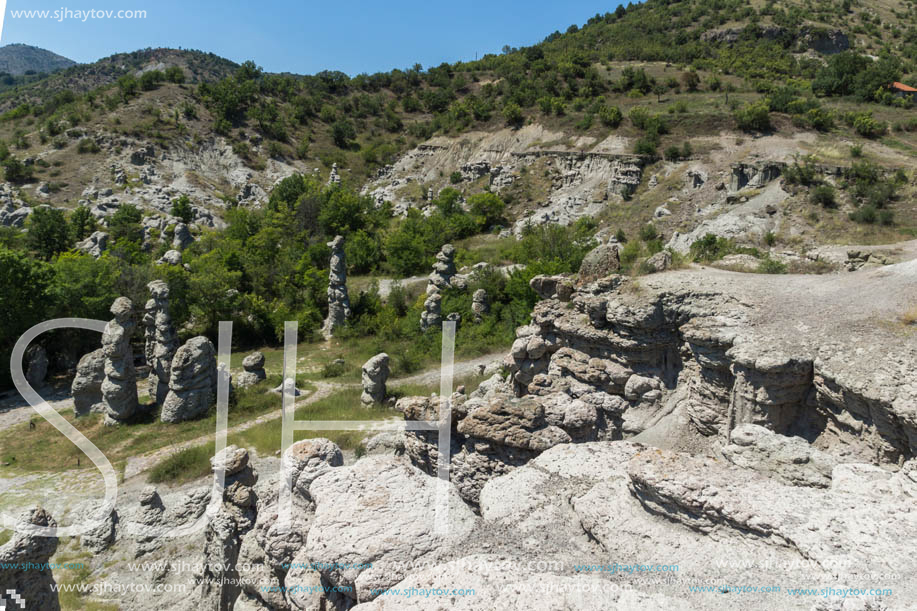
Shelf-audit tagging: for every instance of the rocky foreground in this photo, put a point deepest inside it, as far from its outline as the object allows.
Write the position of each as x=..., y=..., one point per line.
x=697, y=439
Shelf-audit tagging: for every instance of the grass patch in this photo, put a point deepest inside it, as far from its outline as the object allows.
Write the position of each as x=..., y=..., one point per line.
x=45, y=449
x=5, y=536
x=909, y=317
x=264, y=438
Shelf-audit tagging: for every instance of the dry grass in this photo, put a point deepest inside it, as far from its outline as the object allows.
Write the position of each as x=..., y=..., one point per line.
x=909, y=317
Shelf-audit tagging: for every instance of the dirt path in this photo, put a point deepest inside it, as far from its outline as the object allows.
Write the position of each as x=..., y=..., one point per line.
x=462, y=369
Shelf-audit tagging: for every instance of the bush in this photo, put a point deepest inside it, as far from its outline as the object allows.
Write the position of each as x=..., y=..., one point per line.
x=864, y=214
x=455, y=178
x=512, y=113
x=753, y=117
x=823, y=195
x=486, y=209
x=16, y=171
x=87, y=146
x=182, y=209
x=610, y=116
x=771, y=266
x=648, y=232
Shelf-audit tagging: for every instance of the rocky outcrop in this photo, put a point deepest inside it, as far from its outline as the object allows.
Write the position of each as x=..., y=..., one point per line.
x=754, y=175
x=87, y=384
x=253, y=366
x=374, y=376
x=171, y=257
x=443, y=269
x=389, y=524
x=94, y=245
x=182, y=237
x=338, y=300
x=600, y=262
x=36, y=361
x=432, y=315
x=26, y=581
x=220, y=583
x=334, y=178
x=480, y=306
x=119, y=389
x=271, y=554
x=192, y=381
x=790, y=460
x=163, y=341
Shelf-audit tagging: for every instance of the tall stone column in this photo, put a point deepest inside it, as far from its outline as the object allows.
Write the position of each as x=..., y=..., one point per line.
x=119, y=389
x=338, y=301
x=164, y=341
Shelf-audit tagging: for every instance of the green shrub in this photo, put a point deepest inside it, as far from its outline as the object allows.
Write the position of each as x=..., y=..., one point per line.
x=864, y=214
x=753, y=117
x=771, y=266
x=455, y=178
x=610, y=116
x=823, y=195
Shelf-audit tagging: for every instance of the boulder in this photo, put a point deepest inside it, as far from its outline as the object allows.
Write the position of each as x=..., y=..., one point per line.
x=601, y=261
x=182, y=237
x=192, y=381
x=94, y=245
x=374, y=375
x=254, y=372
x=36, y=361
x=87, y=384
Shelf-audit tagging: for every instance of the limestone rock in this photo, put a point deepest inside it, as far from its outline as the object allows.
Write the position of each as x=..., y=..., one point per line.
x=790, y=460
x=36, y=365
x=119, y=389
x=253, y=365
x=443, y=269
x=192, y=381
x=374, y=375
x=223, y=535
x=600, y=262
x=480, y=304
x=94, y=245
x=338, y=300
x=659, y=262
x=163, y=342
x=33, y=584
x=388, y=523
x=182, y=238
x=552, y=287
x=87, y=384
x=432, y=315
x=171, y=257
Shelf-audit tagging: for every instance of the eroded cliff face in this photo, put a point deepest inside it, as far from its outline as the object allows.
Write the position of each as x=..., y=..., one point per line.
x=682, y=359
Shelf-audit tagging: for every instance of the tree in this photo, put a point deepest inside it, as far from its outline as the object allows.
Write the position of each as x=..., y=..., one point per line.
x=48, y=232
x=124, y=224
x=15, y=171
x=754, y=117
x=24, y=300
x=659, y=89
x=690, y=80
x=512, y=113
x=486, y=209
x=182, y=209
x=343, y=133
x=82, y=223
x=363, y=253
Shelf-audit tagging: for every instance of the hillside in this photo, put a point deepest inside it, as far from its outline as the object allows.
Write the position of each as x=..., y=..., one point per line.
x=756, y=136
x=19, y=59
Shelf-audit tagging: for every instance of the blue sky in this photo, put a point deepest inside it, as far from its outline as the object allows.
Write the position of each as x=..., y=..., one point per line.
x=303, y=36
